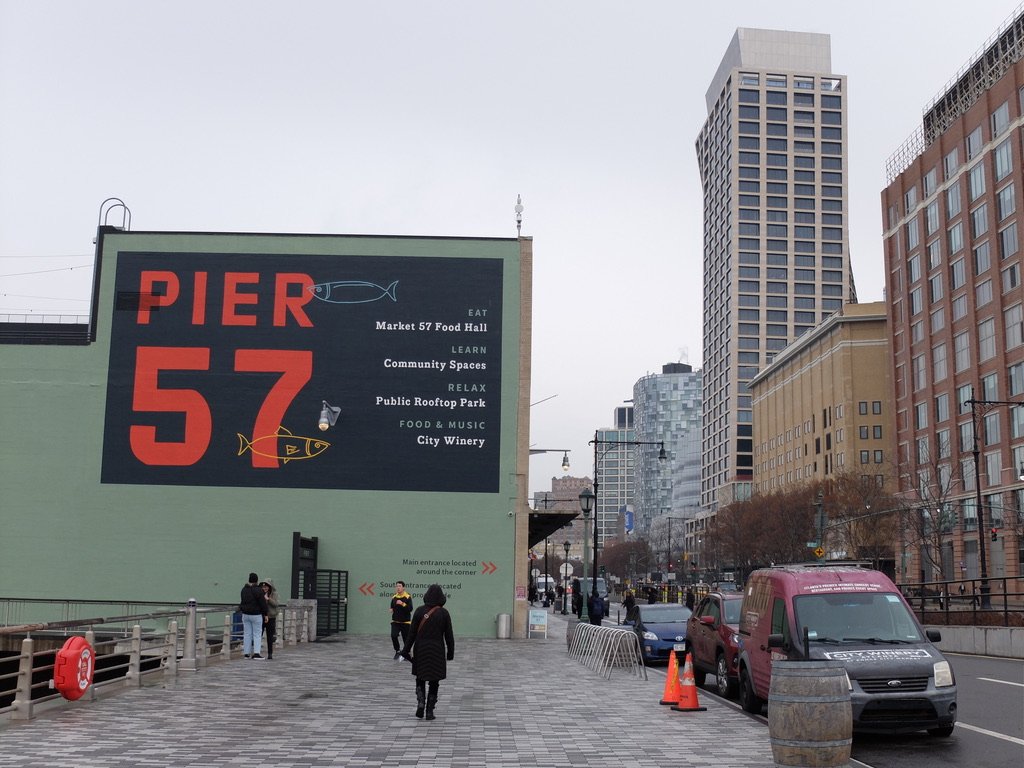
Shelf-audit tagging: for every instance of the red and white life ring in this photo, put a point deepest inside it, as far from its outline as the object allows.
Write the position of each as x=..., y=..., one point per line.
x=73, y=668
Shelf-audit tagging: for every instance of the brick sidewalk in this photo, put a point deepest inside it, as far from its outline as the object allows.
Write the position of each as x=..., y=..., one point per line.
x=347, y=703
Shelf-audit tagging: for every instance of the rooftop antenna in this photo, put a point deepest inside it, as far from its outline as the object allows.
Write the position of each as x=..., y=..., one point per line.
x=519, y=215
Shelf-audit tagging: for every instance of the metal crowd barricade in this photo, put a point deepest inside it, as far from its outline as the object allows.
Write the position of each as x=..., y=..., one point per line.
x=604, y=648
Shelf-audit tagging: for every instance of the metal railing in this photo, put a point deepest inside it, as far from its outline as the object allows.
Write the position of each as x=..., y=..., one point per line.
x=125, y=652
x=604, y=648
x=959, y=600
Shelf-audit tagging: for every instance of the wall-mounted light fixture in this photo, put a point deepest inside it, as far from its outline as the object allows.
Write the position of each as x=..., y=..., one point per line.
x=565, y=455
x=328, y=416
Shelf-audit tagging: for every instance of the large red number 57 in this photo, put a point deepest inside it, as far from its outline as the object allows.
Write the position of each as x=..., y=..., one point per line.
x=148, y=396
x=296, y=368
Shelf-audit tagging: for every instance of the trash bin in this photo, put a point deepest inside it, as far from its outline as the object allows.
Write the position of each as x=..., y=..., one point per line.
x=504, y=621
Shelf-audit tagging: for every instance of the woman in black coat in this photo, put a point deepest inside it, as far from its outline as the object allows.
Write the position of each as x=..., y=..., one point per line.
x=431, y=644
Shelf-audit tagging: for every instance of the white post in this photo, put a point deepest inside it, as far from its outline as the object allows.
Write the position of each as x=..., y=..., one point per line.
x=188, y=652
x=171, y=652
x=23, y=693
x=133, y=678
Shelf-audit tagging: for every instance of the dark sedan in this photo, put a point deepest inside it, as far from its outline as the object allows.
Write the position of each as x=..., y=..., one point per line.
x=661, y=627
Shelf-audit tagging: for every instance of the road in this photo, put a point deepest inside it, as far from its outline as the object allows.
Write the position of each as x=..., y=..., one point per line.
x=989, y=731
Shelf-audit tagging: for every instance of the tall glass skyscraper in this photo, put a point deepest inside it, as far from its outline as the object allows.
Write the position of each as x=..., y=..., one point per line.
x=772, y=157
x=667, y=408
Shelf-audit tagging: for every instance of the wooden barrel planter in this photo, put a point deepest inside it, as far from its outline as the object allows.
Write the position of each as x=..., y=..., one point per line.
x=810, y=720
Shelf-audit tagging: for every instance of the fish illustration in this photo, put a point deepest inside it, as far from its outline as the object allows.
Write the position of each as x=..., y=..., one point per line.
x=294, y=447
x=352, y=292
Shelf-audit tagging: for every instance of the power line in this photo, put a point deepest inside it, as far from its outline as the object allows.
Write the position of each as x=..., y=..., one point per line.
x=44, y=271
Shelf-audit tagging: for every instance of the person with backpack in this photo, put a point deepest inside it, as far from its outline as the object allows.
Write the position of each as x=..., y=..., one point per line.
x=431, y=644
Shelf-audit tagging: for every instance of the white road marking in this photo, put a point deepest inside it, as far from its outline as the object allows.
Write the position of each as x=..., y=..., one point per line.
x=1003, y=736
x=1004, y=682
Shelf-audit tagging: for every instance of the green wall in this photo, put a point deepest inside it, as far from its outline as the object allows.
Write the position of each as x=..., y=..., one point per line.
x=66, y=534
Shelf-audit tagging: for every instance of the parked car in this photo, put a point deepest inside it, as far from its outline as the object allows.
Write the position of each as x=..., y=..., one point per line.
x=661, y=627
x=711, y=635
x=899, y=681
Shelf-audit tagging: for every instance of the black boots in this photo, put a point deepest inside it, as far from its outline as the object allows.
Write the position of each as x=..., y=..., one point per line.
x=421, y=695
x=431, y=701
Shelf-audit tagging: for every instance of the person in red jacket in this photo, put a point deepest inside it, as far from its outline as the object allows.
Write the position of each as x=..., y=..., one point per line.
x=431, y=644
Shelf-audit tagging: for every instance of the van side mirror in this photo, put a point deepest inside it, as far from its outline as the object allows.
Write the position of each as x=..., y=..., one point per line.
x=933, y=634
x=776, y=641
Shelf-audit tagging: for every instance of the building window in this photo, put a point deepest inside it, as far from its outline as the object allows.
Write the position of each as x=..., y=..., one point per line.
x=920, y=416
x=865, y=457
x=941, y=408
x=928, y=182
x=876, y=407
x=1011, y=278
x=862, y=407
x=953, y=200
x=1003, y=156
x=935, y=287
x=919, y=372
x=939, y=362
x=956, y=238
x=979, y=220
x=938, y=319
x=951, y=162
x=879, y=457
x=1001, y=118
x=976, y=182
x=1006, y=202
x=864, y=432
x=1013, y=324
x=876, y=431
x=1008, y=241
x=986, y=340
x=983, y=293
x=957, y=274
x=982, y=260
x=974, y=143
x=961, y=351
x=959, y=307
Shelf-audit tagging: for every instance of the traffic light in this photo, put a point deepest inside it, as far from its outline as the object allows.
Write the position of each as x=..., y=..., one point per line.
x=995, y=534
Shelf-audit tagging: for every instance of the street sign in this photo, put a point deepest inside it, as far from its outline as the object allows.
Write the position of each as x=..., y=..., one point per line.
x=566, y=570
x=535, y=572
x=819, y=553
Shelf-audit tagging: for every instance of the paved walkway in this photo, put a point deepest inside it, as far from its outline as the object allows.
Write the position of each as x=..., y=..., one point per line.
x=347, y=703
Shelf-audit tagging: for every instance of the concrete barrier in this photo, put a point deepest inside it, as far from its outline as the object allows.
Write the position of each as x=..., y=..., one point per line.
x=1007, y=642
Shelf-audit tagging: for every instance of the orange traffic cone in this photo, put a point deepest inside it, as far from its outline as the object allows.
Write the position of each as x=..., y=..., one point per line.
x=688, y=691
x=671, y=695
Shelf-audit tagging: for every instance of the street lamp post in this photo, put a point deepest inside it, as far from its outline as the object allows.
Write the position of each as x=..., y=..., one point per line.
x=986, y=601
x=598, y=441
x=586, y=505
x=547, y=576
x=565, y=576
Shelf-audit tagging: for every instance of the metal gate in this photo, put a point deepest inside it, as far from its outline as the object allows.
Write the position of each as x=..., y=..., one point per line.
x=331, y=602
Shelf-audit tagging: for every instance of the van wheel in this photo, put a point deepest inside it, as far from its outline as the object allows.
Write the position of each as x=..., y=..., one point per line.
x=726, y=686
x=748, y=699
x=946, y=730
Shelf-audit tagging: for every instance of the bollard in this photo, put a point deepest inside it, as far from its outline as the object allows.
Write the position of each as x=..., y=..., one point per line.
x=23, y=696
x=202, y=650
x=171, y=649
x=133, y=677
x=504, y=622
x=225, y=646
x=188, y=649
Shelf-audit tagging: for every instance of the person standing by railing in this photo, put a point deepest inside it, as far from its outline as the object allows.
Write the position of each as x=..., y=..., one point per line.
x=253, y=607
x=271, y=624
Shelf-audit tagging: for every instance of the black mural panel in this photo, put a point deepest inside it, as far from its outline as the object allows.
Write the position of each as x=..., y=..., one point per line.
x=220, y=365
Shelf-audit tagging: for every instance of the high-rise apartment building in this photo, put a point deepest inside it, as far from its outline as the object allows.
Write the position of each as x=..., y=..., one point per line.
x=667, y=408
x=953, y=264
x=614, y=453
x=772, y=157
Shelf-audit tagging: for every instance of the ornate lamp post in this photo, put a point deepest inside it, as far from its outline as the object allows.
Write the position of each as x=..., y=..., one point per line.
x=586, y=506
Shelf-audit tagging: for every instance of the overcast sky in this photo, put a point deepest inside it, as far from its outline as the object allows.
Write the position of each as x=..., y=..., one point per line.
x=414, y=118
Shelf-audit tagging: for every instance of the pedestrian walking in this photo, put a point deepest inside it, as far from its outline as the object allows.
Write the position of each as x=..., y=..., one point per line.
x=577, y=598
x=253, y=607
x=401, y=617
x=629, y=605
x=595, y=608
x=431, y=645
x=690, y=599
x=270, y=627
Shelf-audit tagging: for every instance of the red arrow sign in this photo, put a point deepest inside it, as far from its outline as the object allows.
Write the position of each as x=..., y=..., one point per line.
x=367, y=588
x=488, y=567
